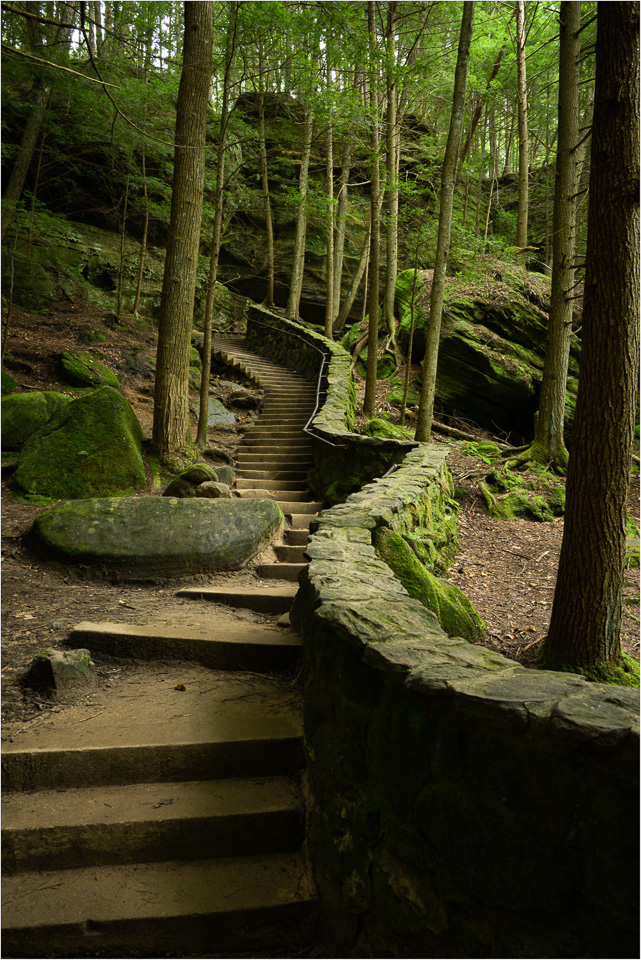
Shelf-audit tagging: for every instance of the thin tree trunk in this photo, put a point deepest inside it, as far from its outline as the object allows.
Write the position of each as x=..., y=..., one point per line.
x=171, y=432
x=350, y=299
x=298, y=266
x=203, y=413
x=430, y=363
x=143, y=247
x=341, y=226
x=372, y=343
x=549, y=442
x=391, y=191
x=585, y=626
x=478, y=110
x=329, y=178
x=268, y=300
x=522, y=213
x=121, y=268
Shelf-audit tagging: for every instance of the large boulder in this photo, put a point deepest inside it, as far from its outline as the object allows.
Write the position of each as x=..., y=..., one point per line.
x=25, y=413
x=145, y=538
x=492, y=347
x=91, y=447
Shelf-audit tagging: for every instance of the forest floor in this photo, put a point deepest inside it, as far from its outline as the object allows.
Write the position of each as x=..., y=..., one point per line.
x=507, y=568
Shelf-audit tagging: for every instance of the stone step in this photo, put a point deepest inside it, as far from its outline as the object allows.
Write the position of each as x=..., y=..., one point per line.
x=256, y=445
x=179, y=724
x=290, y=507
x=267, y=493
x=296, y=463
x=291, y=476
x=263, y=599
x=160, y=909
x=281, y=571
x=299, y=521
x=142, y=822
x=290, y=553
x=299, y=538
x=240, y=646
x=265, y=483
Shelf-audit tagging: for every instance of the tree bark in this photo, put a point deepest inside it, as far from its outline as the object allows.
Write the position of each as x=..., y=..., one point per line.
x=549, y=440
x=585, y=626
x=203, y=412
x=329, y=178
x=430, y=363
x=298, y=266
x=478, y=110
x=372, y=343
x=268, y=300
x=171, y=397
x=391, y=190
x=521, y=217
x=341, y=226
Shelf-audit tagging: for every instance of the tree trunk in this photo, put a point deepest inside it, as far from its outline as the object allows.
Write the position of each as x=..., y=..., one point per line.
x=585, y=627
x=521, y=217
x=478, y=110
x=430, y=363
x=341, y=226
x=171, y=398
x=374, y=250
x=549, y=442
x=143, y=246
x=350, y=299
x=329, y=178
x=298, y=266
x=203, y=413
x=391, y=191
x=268, y=300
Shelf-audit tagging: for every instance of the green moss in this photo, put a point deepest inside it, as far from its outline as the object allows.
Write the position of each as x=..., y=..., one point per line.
x=9, y=383
x=81, y=370
x=455, y=613
x=381, y=428
x=25, y=413
x=509, y=495
x=625, y=672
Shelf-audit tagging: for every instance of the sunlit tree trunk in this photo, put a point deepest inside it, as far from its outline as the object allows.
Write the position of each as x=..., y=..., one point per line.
x=430, y=363
x=171, y=396
x=341, y=226
x=585, y=626
x=268, y=300
x=369, y=401
x=521, y=97
x=391, y=190
x=329, y=260
x=298, y=266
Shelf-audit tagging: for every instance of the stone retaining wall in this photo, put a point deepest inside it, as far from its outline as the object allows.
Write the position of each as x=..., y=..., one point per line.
x=459, y=805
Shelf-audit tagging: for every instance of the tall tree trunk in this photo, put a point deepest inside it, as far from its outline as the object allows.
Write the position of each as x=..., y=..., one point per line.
x=171, y=396
x=372, y=342
x=585, y=626
x=391, y=191
x=478, y=110
x=329, y=178
x=341, y=226
x=298, y=266
x=145, y=231
x=521, y=217
x=41, y=95
x=549, y=443
x=203, y=413
x=268, y=300
x=350, y=299
x=430, y=363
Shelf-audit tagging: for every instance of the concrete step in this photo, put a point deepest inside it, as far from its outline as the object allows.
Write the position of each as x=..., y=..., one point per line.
x=261, y=444
x=291, y=507
x=263, y=599
x=266, y=493
x=266, y=483
x=274, y=433
x=290, y=553
x=171, y=723
x=281, y=571
x=289, y=476
x=143, y=822
x=297, y=538
x=160, y=909
x=242, y=646
x=300, y=521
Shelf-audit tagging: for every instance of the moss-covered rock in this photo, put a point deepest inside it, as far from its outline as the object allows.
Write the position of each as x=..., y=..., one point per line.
x=388, y=431
x=509, y=494
x=91, y=447
x=142, y=538
x=456, y=614
x=25, y=413
x=184, y=485
x=9, y=383
x=81, y=370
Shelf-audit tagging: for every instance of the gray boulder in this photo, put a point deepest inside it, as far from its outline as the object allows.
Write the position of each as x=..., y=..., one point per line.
x=25, y=413
x=62, y=674
x=91, y=447
x=213, y=490
x=146, y=538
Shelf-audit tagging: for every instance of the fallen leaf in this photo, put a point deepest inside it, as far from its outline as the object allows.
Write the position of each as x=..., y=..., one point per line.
x=180, y=686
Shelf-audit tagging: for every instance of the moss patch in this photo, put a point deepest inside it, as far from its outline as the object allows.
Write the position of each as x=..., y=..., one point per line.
x=81, y=370
x=536, y=496
x=456, y=614
x=25, y=413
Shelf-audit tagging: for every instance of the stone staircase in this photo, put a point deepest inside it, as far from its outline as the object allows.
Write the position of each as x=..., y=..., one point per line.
x=164, y=818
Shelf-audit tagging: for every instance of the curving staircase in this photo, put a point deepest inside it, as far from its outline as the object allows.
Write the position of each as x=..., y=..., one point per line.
x=158, y=822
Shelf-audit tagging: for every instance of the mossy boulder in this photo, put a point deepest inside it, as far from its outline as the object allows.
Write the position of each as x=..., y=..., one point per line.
x=536, y=496
x=9, y=383
x=81, y=370
x=25, y=413
x=184, y=485
x=145, y=538
x=455, y=613
x=388, y=431
x=91, y=447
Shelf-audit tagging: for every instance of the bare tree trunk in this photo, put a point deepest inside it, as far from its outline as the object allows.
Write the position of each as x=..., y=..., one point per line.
x=298, y=266
x=372, y=343
x=329, y=261
x=549, y=442
x=268, y=300
x=341, y=226
x=521, y=219
x=171, y=432
x=203, y=413
x=391, y=191
x=585, y=626
x=478, y=110
x=430, y=363
x=143, y=247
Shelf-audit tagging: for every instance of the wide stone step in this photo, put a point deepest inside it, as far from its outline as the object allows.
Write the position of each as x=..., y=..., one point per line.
x=278, y=494
x=291, y=476
x=300, y=521
x=262, y=444
x=274, y=433
x=232, y=646
x=281, y=571
x=141, y=822
x=266, y=483
x=263, y=599
x=298, y=538
x=245, y=905
x=293, y=507
x=181, y=725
